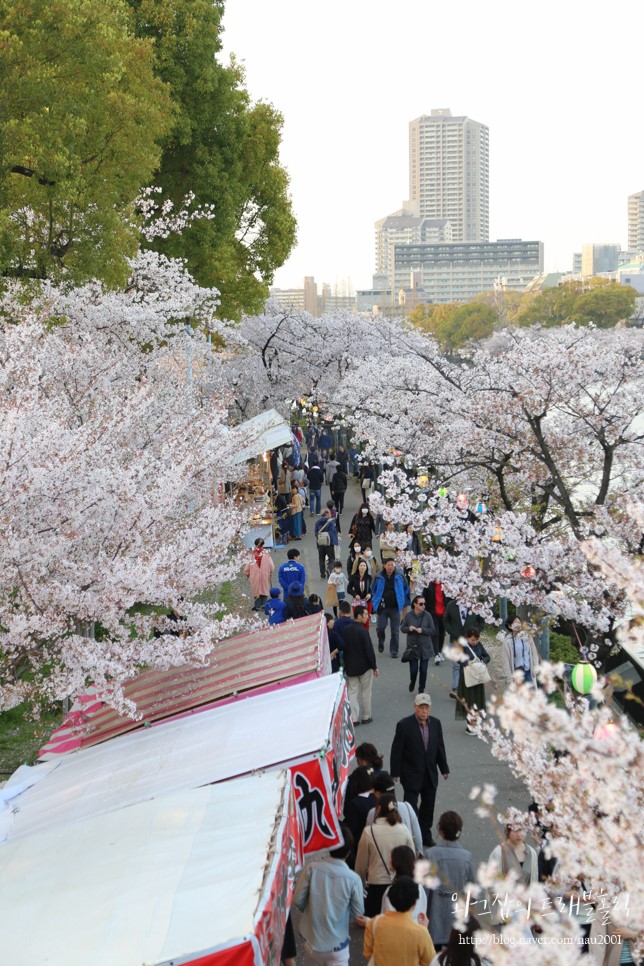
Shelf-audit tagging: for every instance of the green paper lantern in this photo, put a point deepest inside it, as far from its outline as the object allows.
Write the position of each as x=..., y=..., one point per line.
x=583, y=678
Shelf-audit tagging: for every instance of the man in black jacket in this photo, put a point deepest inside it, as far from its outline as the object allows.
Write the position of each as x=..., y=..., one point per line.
x=417, y=752
x=359, y=665
x=315, y=478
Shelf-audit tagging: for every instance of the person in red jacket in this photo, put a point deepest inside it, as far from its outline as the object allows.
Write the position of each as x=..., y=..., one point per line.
x=436, y=603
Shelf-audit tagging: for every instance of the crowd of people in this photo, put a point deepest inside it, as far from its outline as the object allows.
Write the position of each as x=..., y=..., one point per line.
x=372, y=879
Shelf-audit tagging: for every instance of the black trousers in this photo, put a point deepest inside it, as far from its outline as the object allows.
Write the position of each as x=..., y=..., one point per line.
x=326, y=556
x=424, y=811
x=338, y=499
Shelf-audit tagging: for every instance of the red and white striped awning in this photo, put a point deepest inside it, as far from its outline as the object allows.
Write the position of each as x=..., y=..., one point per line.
x=261, y=660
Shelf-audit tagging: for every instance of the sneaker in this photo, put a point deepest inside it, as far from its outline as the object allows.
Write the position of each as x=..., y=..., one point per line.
x=412, y=685
x=470, y=731
x=393, y=655
x=437, y=660
x=453, y=695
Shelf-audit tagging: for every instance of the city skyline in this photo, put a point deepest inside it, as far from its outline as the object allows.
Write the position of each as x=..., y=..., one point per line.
x=563, y=141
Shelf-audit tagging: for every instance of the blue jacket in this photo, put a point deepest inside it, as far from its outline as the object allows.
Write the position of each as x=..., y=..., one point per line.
x=275, y=610
x=329, y=527
x=400, y=586
x=289, y=572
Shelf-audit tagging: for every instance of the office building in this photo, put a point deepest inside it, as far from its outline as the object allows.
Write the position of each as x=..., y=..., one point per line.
x=576, y=263
x=458, y=272
x=449, y=173
x=596, y=259
x=403, y=227
x=636, y=222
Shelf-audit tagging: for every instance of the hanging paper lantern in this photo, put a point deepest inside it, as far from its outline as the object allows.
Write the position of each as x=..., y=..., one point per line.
x=528, y=572
x=606, y=732
x=583, y=678
x=442, y=491
x=315, y=409
x=497, y=535
x=423, y=481
x=481, y=508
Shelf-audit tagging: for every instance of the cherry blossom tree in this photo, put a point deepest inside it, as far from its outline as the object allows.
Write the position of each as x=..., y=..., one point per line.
x=542, y=428
x=113, y=455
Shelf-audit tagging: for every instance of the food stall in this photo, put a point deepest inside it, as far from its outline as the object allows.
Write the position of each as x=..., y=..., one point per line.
x=305, y=727
x=265, y=659
x=200, y=876
x=263, y=433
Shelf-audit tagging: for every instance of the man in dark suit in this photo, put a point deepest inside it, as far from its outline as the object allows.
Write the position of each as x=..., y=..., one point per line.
x=417, y=752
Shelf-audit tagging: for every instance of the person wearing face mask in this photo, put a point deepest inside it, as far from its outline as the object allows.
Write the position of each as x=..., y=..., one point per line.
x=519, y=652
x=363, y=526
x=369, y=559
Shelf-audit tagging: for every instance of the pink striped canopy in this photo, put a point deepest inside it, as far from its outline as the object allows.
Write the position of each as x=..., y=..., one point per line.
x=261, y=660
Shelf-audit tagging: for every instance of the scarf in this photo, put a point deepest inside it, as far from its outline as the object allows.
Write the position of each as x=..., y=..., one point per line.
x=258, y=553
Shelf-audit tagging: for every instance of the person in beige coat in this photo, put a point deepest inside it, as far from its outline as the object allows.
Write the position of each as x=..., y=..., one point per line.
x=373, y=860
x=519, y=652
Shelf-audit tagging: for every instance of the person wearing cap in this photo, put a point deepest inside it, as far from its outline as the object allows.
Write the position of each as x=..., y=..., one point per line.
x=297, y=605
x=383, y=784
x=417, y=752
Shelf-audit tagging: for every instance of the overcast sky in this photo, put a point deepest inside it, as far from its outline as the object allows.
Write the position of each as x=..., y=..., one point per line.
x=559, y=84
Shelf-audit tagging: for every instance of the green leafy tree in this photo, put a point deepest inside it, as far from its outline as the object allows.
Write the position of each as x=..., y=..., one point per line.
x=223, y=148
x=596, y=300
x=605, y=306
x=81, y=117
x=453, y=324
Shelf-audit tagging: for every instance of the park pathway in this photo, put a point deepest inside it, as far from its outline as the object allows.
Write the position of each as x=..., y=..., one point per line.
x=470, y=761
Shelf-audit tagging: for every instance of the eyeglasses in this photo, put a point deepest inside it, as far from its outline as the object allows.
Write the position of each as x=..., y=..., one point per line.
x=419, y=603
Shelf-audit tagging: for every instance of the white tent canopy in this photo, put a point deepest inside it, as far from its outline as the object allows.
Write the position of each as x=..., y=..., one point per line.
x=260, y=732
x=262, y=433
x=163, y=881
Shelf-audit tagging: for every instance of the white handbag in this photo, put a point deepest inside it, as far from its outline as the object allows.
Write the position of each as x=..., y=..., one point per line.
x=475, y=672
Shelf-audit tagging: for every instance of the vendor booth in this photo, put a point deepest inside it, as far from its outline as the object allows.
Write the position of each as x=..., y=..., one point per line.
x=202, y=876
x=265, y=659
x=305, y=728
x=266, y=432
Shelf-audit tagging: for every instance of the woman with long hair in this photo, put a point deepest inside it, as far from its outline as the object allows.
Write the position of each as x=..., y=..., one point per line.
x=460, y=949
x=359, y=586
x=363, y=526
x=374, y=851
x=297, y=605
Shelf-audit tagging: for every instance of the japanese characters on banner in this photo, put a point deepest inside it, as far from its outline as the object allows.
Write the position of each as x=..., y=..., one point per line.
x=319, y=784
x=288, y=857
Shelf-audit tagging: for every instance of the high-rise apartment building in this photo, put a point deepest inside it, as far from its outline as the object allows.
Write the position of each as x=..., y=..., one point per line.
x=403, y=226
x=449, y=173
x=636, y=222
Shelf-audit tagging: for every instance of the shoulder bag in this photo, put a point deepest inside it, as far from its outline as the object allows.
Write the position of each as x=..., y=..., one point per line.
x=380, y=854
x=411, y=653
x=324, y=539
x=475, y=672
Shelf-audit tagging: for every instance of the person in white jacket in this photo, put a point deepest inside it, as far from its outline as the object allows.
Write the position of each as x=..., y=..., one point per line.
x=383, y=785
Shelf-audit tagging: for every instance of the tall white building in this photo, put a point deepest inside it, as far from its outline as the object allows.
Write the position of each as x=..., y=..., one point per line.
x=636, y=222
x=449, y=174
x=404, y=227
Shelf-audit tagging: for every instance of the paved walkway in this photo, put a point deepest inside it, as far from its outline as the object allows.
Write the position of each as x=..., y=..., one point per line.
x=469, y=758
